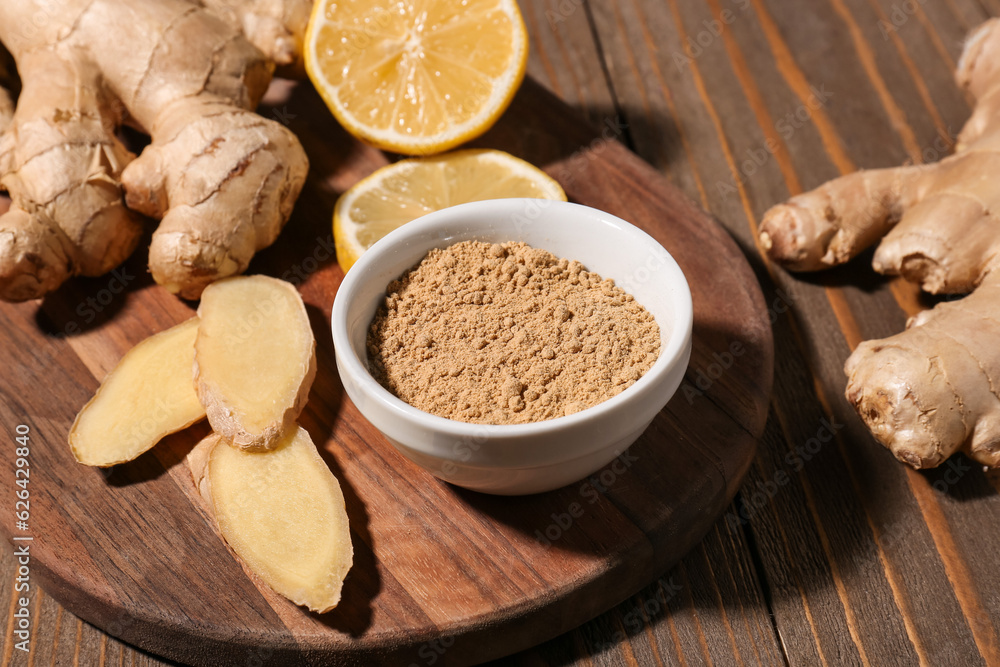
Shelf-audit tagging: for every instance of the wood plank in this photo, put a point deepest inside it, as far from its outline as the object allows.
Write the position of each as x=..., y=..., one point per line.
x=565, y=59
x=646, y=97
x=677, y=619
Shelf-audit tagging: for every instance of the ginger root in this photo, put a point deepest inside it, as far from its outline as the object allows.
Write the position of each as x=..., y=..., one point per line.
x=147, y=396
x=281, y=512
x=222, y=179
x=276, y=27
x=933, y=389
x=6, y=83
x=255, y=359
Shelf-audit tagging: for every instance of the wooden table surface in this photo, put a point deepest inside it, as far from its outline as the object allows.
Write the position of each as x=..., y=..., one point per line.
x=832, y=553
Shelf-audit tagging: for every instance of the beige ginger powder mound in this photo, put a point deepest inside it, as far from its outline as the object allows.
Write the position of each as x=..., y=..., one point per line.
x=507, y=334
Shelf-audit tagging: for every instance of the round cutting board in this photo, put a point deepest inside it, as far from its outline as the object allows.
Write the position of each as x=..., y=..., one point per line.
x=441, y=575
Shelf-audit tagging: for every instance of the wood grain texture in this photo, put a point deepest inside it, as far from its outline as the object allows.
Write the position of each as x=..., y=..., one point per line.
x=434, y=563
x=849, y=558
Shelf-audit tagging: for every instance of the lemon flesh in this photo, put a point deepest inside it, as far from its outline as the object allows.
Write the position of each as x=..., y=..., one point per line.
x=416, y=77
x=406, y=190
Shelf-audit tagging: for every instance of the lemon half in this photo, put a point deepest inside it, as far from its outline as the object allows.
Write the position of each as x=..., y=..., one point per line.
x=416, y=77
x=408, y=189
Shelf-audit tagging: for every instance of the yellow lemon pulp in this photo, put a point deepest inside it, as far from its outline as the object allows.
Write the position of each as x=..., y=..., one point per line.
x=416, y=76
x=406, y=190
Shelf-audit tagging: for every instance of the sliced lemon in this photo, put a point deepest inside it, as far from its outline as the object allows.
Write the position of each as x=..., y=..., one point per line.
x=416, y=76
x=408, y=189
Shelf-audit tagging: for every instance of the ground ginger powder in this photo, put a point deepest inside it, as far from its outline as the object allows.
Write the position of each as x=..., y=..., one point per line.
x=507, y=334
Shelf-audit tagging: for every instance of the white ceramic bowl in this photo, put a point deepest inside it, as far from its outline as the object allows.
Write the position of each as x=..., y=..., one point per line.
x=519, y=458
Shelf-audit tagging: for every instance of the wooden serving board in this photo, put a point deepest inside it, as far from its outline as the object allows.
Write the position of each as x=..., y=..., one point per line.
x=441, y=575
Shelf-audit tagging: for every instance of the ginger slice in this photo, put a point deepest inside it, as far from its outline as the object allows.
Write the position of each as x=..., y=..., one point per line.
x=147, y=396
x=282, y=514
x=255, y=359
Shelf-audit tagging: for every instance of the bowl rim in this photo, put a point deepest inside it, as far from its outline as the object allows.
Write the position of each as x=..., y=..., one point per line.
x=672, y=350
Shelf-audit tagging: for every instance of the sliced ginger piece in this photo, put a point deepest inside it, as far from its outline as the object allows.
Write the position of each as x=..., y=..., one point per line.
x=147, y=396
x=281, y=512
x=255, y=359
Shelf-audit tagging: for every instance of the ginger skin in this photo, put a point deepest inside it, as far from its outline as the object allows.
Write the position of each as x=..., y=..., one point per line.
x=6, y=83
x=222, y=179
x=276, y=27
x=931, y=390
